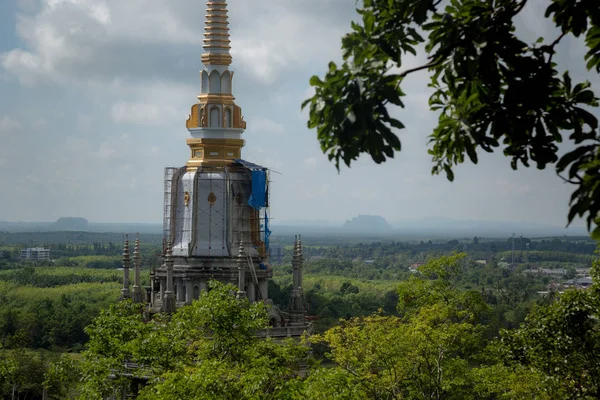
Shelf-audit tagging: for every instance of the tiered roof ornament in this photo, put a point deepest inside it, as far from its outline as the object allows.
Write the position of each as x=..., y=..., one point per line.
x=169, y=300
x=242, y=263
x=215, y=122
x=125, y=294
x=137, y=263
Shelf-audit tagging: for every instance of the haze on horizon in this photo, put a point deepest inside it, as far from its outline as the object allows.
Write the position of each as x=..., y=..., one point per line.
x=95, y=94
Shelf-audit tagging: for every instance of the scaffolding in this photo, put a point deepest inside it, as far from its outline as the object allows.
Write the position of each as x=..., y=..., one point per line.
x=207, y=212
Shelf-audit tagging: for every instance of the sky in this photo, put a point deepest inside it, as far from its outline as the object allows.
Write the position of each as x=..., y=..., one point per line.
x=94, y=95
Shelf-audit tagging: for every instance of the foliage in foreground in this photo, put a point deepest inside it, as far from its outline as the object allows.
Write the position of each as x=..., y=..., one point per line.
x=491, y=89
x=434, y=348
x=206, y=350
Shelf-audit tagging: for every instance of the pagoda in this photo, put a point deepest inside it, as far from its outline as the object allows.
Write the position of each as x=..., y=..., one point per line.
x=216, y=207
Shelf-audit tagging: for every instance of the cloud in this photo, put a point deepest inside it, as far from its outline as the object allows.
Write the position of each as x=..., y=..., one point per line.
x=101, y=40
x=113, y=82
x=262, y=125
x=311, y=161
x=11, y=146
x=138, y=113
x=9, y=126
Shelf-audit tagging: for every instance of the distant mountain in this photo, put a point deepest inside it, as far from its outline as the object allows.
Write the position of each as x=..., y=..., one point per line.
x=304, y=222
x=483, y=228
x=361, y=226
x=80, y=225
x=367, y=223
x=430, y=228
x=71, y=224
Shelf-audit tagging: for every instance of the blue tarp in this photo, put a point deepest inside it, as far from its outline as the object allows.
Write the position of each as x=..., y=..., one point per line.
x=249, y=165
x=258, y=198
x=267, y=231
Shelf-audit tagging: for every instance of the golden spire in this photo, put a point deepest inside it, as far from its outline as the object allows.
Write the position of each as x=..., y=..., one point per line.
x=215, y=121
x=216, y=34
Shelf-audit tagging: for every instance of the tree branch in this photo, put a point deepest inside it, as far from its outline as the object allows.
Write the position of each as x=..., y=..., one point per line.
x=571, y=181
x=520, y=7
x=425, y=66
x=553, y=44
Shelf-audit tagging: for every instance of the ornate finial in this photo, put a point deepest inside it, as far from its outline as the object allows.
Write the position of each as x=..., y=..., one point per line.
x=241, y=252
x=216, y=34
x=126, y=248
x=169, y=252
x=136, y=247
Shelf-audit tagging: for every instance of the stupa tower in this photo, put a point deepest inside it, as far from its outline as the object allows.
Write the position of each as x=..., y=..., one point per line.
x=216, y=206
x=216, y=123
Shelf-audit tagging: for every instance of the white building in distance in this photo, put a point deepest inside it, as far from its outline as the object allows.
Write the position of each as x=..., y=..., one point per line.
x=35, y=253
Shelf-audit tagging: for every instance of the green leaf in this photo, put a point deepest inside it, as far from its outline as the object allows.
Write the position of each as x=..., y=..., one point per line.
x=316, y=81
x=449, y=173
x=567, y=80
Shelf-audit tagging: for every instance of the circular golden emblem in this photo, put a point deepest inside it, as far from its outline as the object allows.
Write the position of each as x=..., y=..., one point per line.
x=212, y=198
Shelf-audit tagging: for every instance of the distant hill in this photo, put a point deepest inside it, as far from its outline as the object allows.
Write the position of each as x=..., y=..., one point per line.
x=80, y=225
x=453, y=227
x=367, y=223
x=71, y=224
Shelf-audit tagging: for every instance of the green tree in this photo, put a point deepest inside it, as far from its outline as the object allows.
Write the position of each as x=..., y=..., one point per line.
x=571, y=273
x=554, y=354
x=62, y=377
x=423, y=353
x=8, y=370
x=561, y=342
x=207, y=350
x=491, y=88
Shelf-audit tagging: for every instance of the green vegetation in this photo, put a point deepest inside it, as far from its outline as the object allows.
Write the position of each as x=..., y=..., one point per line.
x=51, y=318
x=367, y=300
x=207, y=350
x=434, y=347
x=491, y=89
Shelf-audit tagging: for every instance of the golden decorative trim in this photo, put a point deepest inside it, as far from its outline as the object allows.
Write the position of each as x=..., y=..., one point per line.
x=216, y=59
x=210, y=98
x=192, y=121
x=215, y=46
x=215, y=142
x=218, y=43
x=211, y=34
x=186, y=198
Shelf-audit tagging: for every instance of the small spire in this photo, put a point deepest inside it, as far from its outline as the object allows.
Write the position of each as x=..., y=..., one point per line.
x=126, y=261
x=136, y=247
x=169, y=252
x=216, y=34
x=126, y=249
x=137, y=263
x=241, y=264
x=241, y=252
x=297, y=249
x=169, y=304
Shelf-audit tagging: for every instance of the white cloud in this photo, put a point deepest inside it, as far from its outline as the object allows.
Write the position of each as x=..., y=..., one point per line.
x=9, y=126
x=262, y=125
x=139, y=113
x=106, y=151
x=127, y=74
x=310, y=163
